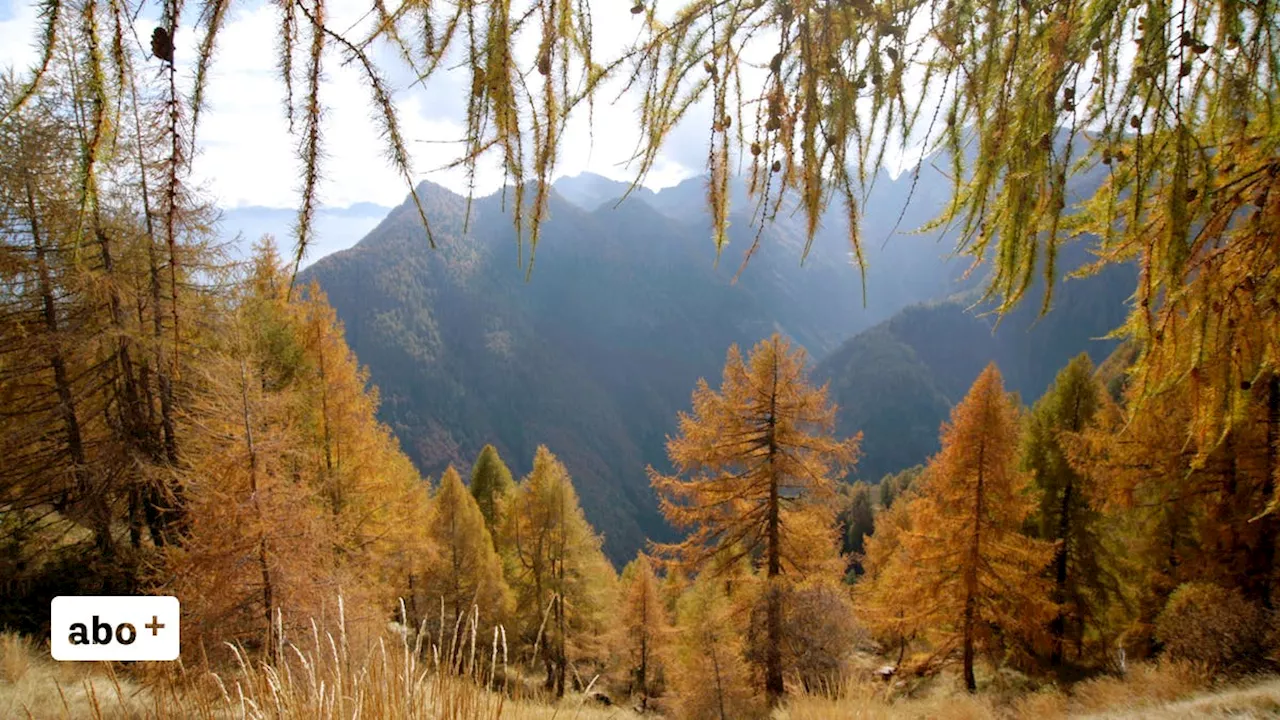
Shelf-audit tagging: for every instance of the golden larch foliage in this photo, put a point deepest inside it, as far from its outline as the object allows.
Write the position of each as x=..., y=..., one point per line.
x=563, y=584
x=755, y=463
x=709, y=672
x=969, y=577
x=643, y=629
x=462, y=576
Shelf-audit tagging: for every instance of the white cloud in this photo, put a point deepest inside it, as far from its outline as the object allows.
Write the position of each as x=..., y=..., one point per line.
x=246, y=155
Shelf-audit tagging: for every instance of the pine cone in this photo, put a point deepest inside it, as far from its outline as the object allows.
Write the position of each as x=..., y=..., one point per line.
x=162, y=45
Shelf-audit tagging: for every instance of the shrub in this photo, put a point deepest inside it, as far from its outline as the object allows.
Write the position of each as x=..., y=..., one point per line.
x=1213, y=627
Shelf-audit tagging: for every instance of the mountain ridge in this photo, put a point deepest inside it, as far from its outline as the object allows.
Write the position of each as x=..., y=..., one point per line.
x=597, y=351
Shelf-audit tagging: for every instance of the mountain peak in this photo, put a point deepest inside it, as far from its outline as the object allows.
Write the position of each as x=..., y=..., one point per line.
x=589, y=191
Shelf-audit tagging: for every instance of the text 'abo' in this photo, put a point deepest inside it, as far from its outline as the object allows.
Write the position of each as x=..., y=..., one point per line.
x=115, y=627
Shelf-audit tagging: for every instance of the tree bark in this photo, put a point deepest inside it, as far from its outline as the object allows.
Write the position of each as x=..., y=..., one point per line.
x=264, y=566
x=971, y=579
x=97, y=509
x=1265, y=572
x=773, y=681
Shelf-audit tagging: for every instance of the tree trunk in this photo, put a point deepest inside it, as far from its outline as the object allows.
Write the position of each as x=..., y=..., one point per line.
x=970, y=683
x=331, y=481
x=264, y=566
x=644, y=652
x=1059, y=625
x=1265, y=571
x=98, y=513
x=163, y=504
x=971, y=575
x=773, y=681
x=715, y=666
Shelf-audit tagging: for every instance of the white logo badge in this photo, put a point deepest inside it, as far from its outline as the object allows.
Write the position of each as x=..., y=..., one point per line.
x=114, y=627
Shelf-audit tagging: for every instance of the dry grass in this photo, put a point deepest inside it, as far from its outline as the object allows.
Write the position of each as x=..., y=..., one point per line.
x=326, y=680
x=1257, y=701
x=33, y=685
x=1147, y=691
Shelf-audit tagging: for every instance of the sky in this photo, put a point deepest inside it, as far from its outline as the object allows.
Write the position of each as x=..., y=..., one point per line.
x=246, y=156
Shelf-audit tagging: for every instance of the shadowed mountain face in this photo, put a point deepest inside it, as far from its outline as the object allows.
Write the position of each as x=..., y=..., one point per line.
x=898, y=381
x=599, y=350
x=627, y=307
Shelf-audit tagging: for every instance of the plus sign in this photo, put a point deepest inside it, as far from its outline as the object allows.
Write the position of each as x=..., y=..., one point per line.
x=154, y=626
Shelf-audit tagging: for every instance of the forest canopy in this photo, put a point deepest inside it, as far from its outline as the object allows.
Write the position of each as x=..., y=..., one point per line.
x=1169, y=104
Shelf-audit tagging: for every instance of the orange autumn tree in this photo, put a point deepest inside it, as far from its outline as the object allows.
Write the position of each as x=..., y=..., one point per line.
x=642, y=628
x=754, y=465
x=463, y=577
x=975, y=578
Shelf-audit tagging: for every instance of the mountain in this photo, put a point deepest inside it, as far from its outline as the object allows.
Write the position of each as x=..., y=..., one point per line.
x=897, y=382
x=597, y=353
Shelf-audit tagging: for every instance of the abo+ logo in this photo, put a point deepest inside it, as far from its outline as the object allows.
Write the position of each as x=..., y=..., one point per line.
x=114, y=628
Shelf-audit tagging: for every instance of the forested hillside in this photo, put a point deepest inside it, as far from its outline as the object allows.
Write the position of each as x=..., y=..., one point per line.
x=594, y=353
x=897, y=382
x=626, y=309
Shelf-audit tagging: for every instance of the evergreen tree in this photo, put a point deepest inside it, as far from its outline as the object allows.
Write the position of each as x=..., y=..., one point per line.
x=643, y=627
x=754, y=463
x=563, y=584
x=975, y=578
x=491, y=484
x=893, y=486
x=463, y=574
x=709, y=672
x=1184, y=512
x=857, y=520
x=1083, y=584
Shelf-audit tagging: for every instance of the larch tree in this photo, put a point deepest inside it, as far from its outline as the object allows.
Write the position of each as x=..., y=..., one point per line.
x=259, y=538
x=1185, y=512
x=1084, y=584
x=463, y=575
x=968, y=566
x=884, y=600
x=491, y=484
x=755, y=462
x=88, y=366
x=374, y=496
x=643, y=628
x=297, y=496
x=709, y=671
x=563, y=584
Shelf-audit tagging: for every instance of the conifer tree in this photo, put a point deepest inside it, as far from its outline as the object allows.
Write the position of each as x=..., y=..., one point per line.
x=885, y=603
x=1083, y=583
x=374, y=497
x=643, y=626
x=562, y=582
x=463, y=572
x=491, y=484
x=710, y=675
x=292, y=515
x=975, y=578
x=255, y=529
x=857, y=521
x=755, y=462
x=1184, y=511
